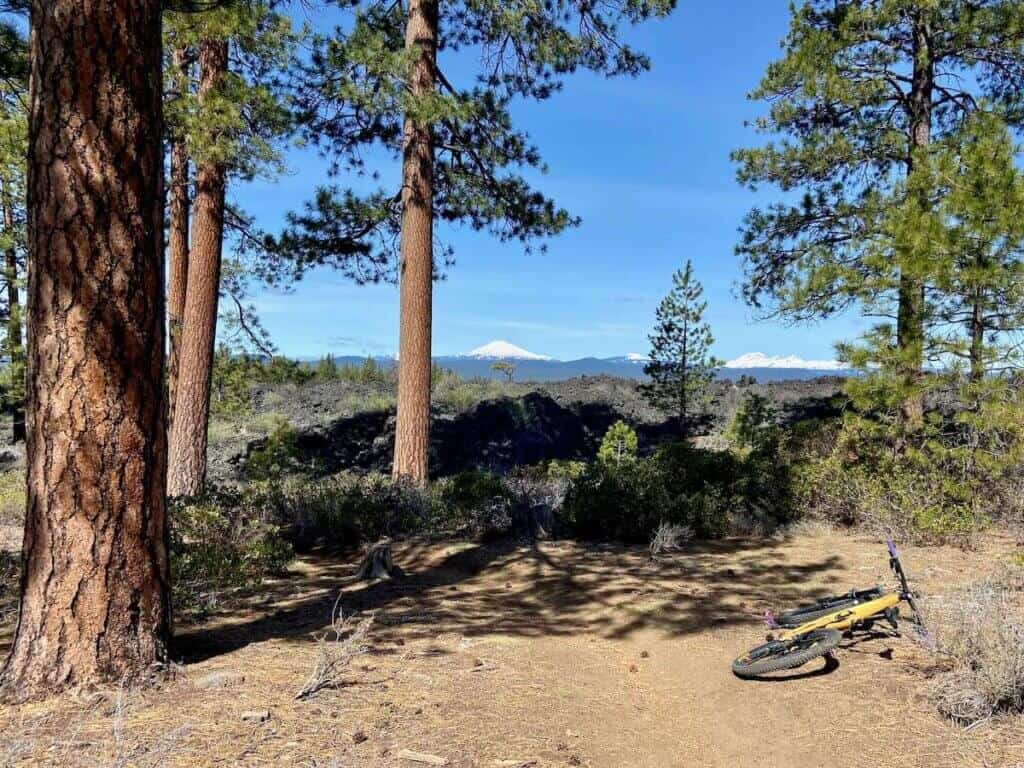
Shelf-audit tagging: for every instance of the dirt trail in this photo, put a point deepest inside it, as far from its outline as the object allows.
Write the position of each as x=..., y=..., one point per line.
x=555, y=655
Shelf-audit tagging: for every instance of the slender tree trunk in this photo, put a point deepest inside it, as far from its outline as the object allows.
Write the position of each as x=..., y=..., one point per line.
x=412, y=431
x=685, y=381
x=911, y=313
x=14, y=340
x=177, y=238
x=95, y=602
x=187, y=464
x=977, y=329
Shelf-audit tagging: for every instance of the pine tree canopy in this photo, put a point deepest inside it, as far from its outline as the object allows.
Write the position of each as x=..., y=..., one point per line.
x=861, y=87
x=355, y=96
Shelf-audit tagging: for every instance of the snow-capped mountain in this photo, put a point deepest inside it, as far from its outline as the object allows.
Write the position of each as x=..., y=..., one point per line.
x=503, y=350
x=759, y=360
x=633, y=358
x=530, y=366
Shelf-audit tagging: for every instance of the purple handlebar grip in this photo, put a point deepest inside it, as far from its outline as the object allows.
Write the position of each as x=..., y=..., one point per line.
x=892, y=548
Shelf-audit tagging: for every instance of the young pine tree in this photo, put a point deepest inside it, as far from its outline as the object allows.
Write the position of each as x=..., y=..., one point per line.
x=979, y=285
x=681, y=366
x=229, y=125
x=862, y=90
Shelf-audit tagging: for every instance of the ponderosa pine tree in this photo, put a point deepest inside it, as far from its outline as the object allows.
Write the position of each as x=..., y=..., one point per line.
x=230, y=128
x=95, y=602
x=979, y=277
x=380, y=80
x=179, y=196
x=680, y=365
x=186, y=472
x=862, y=90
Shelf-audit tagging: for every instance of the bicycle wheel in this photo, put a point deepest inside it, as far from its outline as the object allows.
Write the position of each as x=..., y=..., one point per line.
x=823, y=607
x=786, y=654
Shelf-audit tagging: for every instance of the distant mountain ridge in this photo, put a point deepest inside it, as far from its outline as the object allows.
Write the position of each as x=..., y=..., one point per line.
x=530, y=366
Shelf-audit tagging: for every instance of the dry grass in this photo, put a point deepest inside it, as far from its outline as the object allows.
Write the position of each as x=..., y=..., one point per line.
x=669, y=538
x=343, y=642
x=979, y=633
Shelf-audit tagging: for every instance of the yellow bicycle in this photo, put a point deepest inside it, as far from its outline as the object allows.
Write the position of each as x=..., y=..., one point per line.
x=815, y=630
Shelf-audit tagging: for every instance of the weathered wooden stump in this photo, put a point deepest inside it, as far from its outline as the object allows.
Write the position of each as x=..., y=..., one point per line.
x=377, y=563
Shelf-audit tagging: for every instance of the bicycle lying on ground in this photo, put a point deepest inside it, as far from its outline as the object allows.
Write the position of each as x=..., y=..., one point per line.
x=815, y=630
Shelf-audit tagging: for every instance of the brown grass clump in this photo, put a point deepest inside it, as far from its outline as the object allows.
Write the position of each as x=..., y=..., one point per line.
x=979, y=633
x=669, y=538
x=336, y=648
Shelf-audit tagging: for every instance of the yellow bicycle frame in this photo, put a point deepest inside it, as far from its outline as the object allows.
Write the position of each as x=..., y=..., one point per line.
x=846, y=618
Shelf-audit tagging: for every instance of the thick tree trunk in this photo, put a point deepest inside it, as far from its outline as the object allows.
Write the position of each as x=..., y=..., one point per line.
x=186, y=472
x=95, y=601
x=910, y=330
x=177, y=239
x=14, y=316
x=412, y=431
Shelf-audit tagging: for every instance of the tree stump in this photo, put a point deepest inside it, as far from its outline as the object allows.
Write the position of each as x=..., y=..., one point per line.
x=377, y=563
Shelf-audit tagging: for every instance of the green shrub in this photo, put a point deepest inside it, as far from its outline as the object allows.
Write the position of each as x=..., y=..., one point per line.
x=617, y=503
x=561, y=469
x=474, y=503
x=275, y=456
x=618, y=445
x=753, y=426
x=947, y=483
x=12, y=497
x=219, y=543
x=344, y=510
x=370, y=372
x=712, y=493
x=450, y=391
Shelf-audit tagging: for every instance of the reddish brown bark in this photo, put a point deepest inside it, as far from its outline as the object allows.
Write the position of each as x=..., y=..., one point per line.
x=911, y=312
x=186, y=472
x=177, y=245
x=95, y=599
x=412, y=430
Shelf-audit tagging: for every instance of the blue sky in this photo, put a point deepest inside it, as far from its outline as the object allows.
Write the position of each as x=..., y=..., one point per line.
x=644, y=162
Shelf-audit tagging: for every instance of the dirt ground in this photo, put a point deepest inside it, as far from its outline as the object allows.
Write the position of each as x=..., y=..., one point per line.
x=548, y=655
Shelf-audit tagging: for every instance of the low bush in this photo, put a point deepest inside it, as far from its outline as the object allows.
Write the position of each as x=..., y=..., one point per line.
x=275, y=456
x=219, y=543
x=349, y=509
x=477, y=504
x=12, y=497
x=539, y=494
x=979, y=634
x=927, y=492
x=452, y=393
x=343, y=510
x=955, y=475
x=710, y=492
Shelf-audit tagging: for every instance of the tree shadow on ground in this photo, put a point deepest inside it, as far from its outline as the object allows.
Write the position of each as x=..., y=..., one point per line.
x=551, y=589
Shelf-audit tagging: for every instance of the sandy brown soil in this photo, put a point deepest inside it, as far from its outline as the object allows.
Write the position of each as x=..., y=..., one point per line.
x=554, y=655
